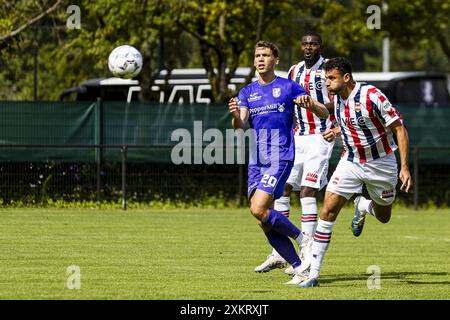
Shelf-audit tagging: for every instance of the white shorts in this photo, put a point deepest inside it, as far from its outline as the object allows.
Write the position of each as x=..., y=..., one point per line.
x=379, y=176
x=312, y=153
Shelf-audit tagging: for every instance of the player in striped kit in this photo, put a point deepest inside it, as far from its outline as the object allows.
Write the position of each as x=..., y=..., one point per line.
x=367, y=121
x=312, y=153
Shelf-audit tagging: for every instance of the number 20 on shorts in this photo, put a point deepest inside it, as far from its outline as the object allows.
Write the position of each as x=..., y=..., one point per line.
x=269, y=180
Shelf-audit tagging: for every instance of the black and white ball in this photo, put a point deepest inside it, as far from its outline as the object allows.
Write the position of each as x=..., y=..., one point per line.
x=125, y=62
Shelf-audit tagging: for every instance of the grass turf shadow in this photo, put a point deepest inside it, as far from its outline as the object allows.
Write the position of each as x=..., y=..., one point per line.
x=387, y=275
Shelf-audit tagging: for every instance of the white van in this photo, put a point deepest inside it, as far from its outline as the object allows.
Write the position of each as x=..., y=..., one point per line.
x=192, y=86
x=180, y=86
x=107, y=89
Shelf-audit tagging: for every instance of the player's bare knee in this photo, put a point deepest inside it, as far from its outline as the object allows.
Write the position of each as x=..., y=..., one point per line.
x=327, y=215
x=259, y=212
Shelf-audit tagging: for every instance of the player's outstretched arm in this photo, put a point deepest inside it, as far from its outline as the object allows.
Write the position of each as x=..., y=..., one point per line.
x=240, y=115
x=314, y=106
x=403, y=147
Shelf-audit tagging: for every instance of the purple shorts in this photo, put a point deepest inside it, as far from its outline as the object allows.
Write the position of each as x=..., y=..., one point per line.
x=269, y=179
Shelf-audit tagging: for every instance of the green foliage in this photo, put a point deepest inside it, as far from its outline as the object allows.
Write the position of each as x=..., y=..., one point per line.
x=205, y=202
x=216, y=35
x=419, y=22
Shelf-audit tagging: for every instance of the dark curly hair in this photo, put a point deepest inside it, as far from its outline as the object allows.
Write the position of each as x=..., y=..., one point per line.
x=271, y=46
x=340, y=63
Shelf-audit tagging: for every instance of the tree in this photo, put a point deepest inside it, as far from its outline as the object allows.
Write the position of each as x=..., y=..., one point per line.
x=12, y=24
x=224, y=31
x=67, y=57
x=419, y=24
x=215, y=34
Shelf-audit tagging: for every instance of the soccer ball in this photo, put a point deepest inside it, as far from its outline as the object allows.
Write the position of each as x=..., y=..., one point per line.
x=125, y=62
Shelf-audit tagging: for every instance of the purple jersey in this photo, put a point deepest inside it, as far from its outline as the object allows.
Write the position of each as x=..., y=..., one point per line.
x=271, y=110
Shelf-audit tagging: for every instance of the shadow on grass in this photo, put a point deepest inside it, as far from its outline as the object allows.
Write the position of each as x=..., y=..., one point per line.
x=387, y=275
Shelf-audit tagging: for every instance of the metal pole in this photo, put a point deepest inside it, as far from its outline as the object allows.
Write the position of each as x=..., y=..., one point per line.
x=416, y=177
x=386, y=54
x=100, y=149
x=99, y=181
x=241, y=185
x=124, y=154
x=124, y=177
x=386, y=47
x=35, y=60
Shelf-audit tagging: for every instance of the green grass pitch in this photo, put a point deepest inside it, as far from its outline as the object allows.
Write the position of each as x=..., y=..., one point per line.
x=211, y=254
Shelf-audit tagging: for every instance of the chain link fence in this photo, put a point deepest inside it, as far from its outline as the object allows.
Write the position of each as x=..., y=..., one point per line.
x=118, y=152
x=39, y=182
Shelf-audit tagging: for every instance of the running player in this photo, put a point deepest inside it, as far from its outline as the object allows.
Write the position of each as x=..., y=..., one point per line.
x=268, y=106
x=367, y=122
x=312, y=152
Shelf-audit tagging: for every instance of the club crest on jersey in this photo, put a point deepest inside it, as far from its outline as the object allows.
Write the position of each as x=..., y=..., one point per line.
x=276, y=92
x=357, y=107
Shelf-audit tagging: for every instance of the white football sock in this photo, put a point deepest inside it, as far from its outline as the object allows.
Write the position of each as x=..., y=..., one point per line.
x=309, y=216
x=366, y=205
x=322, y=238
x=283, y=205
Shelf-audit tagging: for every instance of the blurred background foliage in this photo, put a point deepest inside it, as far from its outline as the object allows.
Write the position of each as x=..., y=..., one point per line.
x=216, y=35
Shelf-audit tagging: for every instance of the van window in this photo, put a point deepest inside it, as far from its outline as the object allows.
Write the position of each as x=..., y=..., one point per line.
x=426, y=91
x=189, y=86
x=192, y=85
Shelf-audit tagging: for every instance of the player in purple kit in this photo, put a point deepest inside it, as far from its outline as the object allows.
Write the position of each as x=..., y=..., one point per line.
x=312, y=153
x=268, y=106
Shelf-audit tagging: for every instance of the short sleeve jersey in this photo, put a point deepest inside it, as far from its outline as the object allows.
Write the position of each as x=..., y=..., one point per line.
x=364, y=119
x=313, y=80
x=271, y=117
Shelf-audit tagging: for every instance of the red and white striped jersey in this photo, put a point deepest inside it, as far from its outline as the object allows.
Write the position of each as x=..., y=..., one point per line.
x=313, y=80
x=364, y=119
